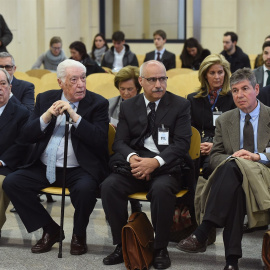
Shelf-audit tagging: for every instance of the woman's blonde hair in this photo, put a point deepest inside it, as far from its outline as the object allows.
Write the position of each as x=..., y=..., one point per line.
x=210, y=60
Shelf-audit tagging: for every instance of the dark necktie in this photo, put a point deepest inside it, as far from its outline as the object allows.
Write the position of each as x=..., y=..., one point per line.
x=151, y=123
x=158, y=56
x=268, y=78
x=248, y=135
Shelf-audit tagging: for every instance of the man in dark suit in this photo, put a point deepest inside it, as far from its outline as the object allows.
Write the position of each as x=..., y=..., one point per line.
x=262, y=73
x=12, y=153
x=86, y=161
x=5, y=35
x=239, y=184
x=22, y=91
x=160, y=54
x=157, y=138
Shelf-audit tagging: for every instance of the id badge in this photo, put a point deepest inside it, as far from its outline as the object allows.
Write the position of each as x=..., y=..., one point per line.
x=163, y=135
x=215, y=117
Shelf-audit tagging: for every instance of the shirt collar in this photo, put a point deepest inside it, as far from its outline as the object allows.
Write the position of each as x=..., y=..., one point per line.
x=265, y=68
x=76, y=104
x=161, y=51
x=254, y=114
x=147, y=102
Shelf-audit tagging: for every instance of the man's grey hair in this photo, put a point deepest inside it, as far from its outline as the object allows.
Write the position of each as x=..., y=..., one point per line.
x=242, y=75
x=145, y=64
x=62, y=67
x=7, y=75
x=5, y=55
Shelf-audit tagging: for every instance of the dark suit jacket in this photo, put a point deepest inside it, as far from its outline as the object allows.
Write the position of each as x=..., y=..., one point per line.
x=227, y=137
x=264, y=95
x=201, y=114
x=89, y=139
x=5, y=34
x=12, y=151
x=24, y=92
x=168, y=59
x=259, y=73
x=172, y=111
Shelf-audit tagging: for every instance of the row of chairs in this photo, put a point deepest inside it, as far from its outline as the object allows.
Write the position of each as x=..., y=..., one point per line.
x=181, y=83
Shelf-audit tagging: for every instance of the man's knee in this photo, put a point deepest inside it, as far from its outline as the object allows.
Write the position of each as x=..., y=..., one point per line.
x=108, y=186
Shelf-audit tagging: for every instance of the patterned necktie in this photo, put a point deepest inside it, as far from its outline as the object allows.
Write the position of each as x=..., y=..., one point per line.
x=151, y=123
x=213, y=96
x=248, y=135
x=52, y=150
x=268, y=78
x=158, y=56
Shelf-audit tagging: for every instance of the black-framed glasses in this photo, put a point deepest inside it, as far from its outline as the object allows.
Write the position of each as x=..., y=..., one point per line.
x=153, y=80
x=7, y=67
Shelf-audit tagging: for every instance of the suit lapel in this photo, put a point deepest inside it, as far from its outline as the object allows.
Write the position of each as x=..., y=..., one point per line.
x=263, y=129
x=162, y=109
x=7, y=114
x=233, y=130
x=141, y=112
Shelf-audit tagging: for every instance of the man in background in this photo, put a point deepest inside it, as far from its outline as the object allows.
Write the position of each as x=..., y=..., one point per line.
x=234, y=54
x=160, y=53
x=5, y=35
x=119, y=54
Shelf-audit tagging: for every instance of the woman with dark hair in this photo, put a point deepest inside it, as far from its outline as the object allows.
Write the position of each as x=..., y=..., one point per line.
x=193, y=54
x=99, y=48
x=78, y=53
x=211, y=100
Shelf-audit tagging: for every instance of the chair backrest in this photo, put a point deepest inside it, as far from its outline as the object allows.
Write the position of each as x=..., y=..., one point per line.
x=195, y=143
x=111, y=136
x=140, y=58
x=21, y=75
x=96, y=79
x=177, y=71
x=38, y=73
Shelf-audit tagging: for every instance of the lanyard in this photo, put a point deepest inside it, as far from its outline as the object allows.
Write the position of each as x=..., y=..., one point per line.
x=213, y=105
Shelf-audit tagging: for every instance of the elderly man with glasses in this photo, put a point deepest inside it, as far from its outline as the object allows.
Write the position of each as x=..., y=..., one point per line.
x=152, y=137
x=22, y=92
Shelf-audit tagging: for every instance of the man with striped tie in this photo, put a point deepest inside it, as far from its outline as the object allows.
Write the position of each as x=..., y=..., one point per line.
x=86, y=158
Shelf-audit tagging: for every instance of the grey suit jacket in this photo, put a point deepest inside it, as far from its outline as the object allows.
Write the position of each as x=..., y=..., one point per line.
x=259, y=73
x=227, y=135
x=114, y=107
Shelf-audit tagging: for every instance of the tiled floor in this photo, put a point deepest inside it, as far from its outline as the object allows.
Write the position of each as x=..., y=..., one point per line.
x=15, y=246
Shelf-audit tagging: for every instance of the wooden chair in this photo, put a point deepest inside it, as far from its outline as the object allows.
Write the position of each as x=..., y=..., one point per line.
x=140, y=58
x=38, y=73
x=107, y=90
x=252, y=58
x=58, y=190
x=183, y=84
x=177, y=71
x=94, y=80
x=21, y=75
x=194, y=152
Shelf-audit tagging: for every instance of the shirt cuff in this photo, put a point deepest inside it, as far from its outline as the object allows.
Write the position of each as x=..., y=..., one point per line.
x=160, y=160
x=131, y=154
x=3, y=163
x=43, y=125
x=77, y=123
x=263, y=157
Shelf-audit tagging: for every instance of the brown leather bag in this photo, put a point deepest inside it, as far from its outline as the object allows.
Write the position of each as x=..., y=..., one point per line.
x=266, y=250
x=137, y=242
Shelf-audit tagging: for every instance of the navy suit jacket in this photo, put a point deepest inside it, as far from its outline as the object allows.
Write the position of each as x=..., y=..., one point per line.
x=264, y=95
x=12, y=151
x=89, y=139
x=25, y=92
x=168, y=59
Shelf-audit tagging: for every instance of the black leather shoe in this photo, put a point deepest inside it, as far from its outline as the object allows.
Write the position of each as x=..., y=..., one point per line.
x=230, y=267
x=50, y=198
x=78, y=245
x=161, y=259
x=115, y=258
x=246, y=229
x=46, y=242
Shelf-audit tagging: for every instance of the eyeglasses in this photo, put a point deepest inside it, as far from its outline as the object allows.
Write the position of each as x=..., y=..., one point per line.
x=7, y=67
x=153, y=80
x=75, y=80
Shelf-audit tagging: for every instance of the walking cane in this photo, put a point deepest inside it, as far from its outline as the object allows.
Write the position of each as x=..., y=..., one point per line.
x=63, y=185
